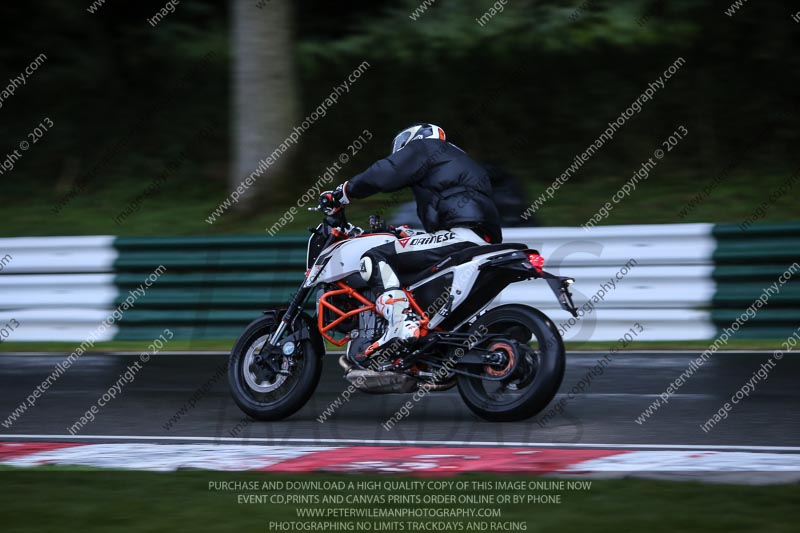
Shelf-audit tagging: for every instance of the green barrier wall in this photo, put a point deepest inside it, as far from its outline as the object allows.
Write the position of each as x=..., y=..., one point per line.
x=213, y=286
x=746, y=262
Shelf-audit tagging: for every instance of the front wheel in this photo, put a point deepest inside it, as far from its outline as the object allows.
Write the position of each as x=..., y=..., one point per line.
x=530, y=336
x=271, y=385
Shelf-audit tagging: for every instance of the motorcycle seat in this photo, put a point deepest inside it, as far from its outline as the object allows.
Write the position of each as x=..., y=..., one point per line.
x=468, y=254
x=458, y=258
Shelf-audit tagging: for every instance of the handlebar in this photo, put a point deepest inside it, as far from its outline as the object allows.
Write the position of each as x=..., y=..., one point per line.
x=337, y=220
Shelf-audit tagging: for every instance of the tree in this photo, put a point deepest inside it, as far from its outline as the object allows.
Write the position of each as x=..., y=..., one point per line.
x=264, y=91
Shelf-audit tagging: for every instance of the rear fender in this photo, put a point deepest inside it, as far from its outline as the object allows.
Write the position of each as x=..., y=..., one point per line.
x=518, y=263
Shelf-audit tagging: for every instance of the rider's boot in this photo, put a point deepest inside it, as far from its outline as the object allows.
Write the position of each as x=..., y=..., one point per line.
x=394, y=307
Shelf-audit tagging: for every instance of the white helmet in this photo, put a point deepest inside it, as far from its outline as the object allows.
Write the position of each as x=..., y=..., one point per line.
x=417, y=131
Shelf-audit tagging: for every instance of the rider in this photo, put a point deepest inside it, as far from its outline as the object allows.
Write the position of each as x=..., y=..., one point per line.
x=454, y=202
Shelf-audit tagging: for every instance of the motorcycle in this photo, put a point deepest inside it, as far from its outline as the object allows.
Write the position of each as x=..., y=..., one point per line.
x=507, y=362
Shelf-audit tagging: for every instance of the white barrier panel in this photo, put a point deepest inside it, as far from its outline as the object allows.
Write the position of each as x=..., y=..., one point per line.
x=58, y=254
x=57, y=288
x=52, y=290
x=668, y=290
x=58, y=324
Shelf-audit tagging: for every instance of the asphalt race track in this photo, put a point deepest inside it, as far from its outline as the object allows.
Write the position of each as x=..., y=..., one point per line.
x=604, y=414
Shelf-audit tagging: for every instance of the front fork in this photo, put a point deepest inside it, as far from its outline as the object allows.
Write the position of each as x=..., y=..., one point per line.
x=292, y=312
x=296, y=305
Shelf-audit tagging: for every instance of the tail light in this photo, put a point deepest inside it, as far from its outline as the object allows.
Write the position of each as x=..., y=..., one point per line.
x=536, y=261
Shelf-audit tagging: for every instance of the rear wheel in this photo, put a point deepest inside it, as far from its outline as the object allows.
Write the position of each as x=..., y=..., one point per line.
x=533, y=358
x=273, y=384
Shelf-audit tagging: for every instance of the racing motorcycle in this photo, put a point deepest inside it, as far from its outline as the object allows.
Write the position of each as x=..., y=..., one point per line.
x=507, y=361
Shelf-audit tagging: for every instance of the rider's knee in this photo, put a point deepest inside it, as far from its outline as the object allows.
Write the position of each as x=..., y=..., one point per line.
x=388, y=277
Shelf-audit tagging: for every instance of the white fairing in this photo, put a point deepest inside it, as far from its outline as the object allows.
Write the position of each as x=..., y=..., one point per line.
x=345, y=258
x=342, y=259
x=464, y=276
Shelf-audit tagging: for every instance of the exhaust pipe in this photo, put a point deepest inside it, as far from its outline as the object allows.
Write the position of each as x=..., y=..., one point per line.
x=373, y=382
x=447, y=385
x=345, y=363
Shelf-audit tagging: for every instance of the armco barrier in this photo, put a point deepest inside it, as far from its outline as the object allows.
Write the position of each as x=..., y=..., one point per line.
x=683, y=281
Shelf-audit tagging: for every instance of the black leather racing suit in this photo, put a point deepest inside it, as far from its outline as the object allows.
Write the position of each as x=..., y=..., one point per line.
x=454, y=202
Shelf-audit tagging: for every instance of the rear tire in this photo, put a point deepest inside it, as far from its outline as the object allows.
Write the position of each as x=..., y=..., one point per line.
x=284, y=395
x=539, y=371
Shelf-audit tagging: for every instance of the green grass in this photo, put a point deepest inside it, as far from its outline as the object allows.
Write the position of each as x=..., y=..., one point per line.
x=226, y=344
x=173, y=211
x=179, y=210
x=660, y=199
x=88, y=501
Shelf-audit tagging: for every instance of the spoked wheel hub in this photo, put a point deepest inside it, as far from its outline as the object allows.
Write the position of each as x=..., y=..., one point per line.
x=265, y=370
x=501, y=359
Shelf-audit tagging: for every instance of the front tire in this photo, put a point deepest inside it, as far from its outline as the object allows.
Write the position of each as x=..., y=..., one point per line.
x=264, y=395
x=539, y=371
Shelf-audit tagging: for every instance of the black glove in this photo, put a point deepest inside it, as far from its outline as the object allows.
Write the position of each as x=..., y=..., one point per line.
x=328, y=203
x=331, y=201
